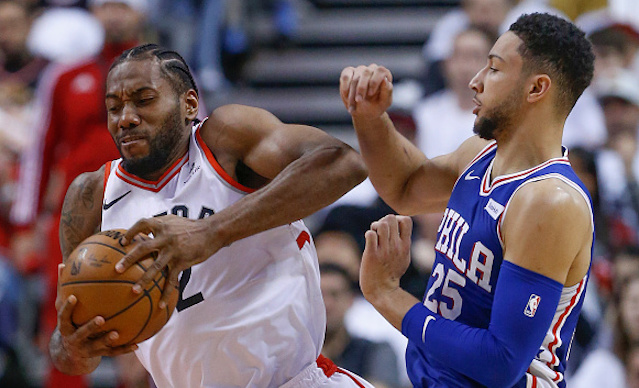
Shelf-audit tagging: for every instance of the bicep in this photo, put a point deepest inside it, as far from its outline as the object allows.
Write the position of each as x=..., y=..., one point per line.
x=81, y=210
x=430, y=185
x=260, y=140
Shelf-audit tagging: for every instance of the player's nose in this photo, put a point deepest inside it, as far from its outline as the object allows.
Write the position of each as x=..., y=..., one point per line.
x=128, y=117
x=476, y=83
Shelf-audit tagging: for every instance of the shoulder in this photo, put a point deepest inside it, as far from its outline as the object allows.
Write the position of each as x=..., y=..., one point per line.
x=87, y=186
x=551, y=198
x=235, y=115
x=464, y=155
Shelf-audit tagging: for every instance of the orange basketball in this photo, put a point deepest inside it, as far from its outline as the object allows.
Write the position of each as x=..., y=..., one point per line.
x=90, y=275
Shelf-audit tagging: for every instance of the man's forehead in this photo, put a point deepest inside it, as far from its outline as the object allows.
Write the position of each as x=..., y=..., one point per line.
x=506, y=47
x=135, y=74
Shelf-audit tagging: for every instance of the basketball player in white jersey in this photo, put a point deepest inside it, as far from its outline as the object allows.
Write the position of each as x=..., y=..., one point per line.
x=223, y=199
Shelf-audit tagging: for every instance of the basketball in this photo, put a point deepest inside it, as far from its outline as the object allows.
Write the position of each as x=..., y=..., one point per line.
x=90, y=275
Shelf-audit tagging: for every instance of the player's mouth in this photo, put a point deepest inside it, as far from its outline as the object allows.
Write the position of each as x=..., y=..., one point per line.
x=131, y=139
x=477, y=106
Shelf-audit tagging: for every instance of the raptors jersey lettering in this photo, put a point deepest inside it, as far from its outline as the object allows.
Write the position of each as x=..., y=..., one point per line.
x=249, y=316
x=469, y=254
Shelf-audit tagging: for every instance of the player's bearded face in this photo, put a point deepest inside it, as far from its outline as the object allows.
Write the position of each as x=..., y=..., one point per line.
x=498, y=120
x=161, y=146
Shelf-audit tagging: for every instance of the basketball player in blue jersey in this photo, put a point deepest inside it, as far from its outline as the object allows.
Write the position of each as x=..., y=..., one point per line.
x=514, y=246
x=223, y=199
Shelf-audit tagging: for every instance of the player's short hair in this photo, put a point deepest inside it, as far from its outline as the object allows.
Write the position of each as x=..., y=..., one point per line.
x=172, y=65
x=558, y=48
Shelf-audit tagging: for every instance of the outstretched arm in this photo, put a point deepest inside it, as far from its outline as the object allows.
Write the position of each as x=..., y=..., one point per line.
x=74, y=351
x=295, y=171
x=402, y=175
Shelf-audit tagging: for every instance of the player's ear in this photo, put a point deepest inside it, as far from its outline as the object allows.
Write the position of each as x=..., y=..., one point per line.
x=191, y=102
x=539, y=87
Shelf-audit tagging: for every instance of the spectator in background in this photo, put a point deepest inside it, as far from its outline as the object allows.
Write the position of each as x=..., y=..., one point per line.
x=11, y=370
x=615, y=46
x=575, y=8
x=618, y=161
x=632, y=368
x=19, y=75
x=374, y=361
x=445, y=119
x=73, y=123
x=487, y=15
x=608, y=367
x=340, y=242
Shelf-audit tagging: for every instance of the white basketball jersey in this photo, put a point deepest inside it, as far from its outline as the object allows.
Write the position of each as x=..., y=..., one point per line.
x=252, y=314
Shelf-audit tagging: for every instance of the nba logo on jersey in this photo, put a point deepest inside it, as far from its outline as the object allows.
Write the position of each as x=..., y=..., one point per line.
x=531, y=307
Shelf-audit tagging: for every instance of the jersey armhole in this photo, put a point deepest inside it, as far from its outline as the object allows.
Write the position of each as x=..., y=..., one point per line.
x=107, y=172
x=216, y=166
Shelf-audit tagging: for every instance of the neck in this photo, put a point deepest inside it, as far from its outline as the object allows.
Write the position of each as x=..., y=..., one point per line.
x=529, y=143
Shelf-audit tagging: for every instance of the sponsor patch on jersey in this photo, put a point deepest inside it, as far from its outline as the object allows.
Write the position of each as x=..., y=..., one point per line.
x=533, y=304
x=494, y=208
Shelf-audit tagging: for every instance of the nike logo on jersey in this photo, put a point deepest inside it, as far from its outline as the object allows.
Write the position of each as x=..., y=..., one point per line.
x=426, y=322
x=107, y=206
x=470, y=177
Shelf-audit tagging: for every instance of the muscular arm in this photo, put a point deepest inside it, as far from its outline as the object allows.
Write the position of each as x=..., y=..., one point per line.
x=80, y=219
x=402, y=175
x=295, y=170
x=306, y=169
x=81, y=212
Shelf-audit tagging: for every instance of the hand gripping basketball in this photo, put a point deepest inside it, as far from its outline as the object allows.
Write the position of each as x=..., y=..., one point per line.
x=90, y=276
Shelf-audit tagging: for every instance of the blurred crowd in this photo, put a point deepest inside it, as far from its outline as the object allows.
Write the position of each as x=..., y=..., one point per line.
x=54, y=56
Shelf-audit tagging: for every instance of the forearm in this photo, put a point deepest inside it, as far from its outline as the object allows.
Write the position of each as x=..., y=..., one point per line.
x=513, y=338
x=65, y=362
x=389, y=156
x=301, y=189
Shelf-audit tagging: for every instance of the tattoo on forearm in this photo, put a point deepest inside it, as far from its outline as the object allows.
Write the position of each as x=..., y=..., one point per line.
x=77, y=218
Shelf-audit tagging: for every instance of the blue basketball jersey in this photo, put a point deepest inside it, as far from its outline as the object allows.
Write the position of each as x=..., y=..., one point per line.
x=469, y=254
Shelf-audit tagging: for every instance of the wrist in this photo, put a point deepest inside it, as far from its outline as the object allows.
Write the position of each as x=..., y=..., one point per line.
x=65, y=361
x=368, y=120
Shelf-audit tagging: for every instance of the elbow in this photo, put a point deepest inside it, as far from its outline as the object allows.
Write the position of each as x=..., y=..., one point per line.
x=350, y=163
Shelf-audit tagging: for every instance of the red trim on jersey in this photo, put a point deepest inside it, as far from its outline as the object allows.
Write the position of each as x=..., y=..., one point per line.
x=216, y=166
x=303, y=238
x=340, y=370
x=329, y=368
x=559, y=325
x=534, y=381
x=107, y=172
x=153, y=186
x=483, y=152
x=487, y=186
